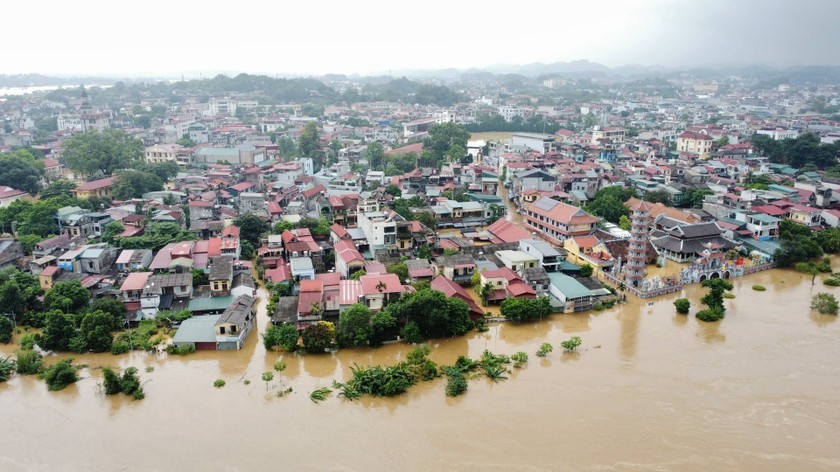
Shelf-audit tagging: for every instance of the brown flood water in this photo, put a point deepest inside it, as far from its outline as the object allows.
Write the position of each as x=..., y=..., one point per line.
x=650, y=390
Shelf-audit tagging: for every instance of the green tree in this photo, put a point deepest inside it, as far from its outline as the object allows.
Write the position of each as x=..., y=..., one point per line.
x=282, y=226
x=624, y=223
x=187, y=142
x=251, y=228
x=156, y=236
x=114, y=308
x=103, y=152
x=96, y=331
x=376, y=156
x=246, y=250
x=435, y=315
x=824, y=303
x=59, y=329
x=319, y=336
x=133, y=184
x=572, y=343
x=446, y=140
x=283, y=335
x=609, y=203
x=585, y=270
x=111, y=381
x=392, y=189
x=808, y=268
x=659, y=196
x=383, y=327
x=713, y=299
x=69, y=297
x=354, y=326
x=526, y=309
x=61, y=374
x=682, y=305
x=163, y=170
x=398, y=268
x=310, y=142
x=112, y=229
x=21, y=171
x=199, y=277
x=7, y=327
x=11, y=298
x=267, y=377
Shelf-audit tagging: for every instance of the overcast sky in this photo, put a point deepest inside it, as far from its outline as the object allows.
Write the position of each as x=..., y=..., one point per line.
x=167, y=38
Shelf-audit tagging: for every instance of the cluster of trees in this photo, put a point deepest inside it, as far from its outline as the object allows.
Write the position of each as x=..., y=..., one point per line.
x=447, y=142
x=251, y=228
x=800, y=244
x=33, y=221
x=804, y=150
x=406, y=91
x=825, y=303
x=20, y=294
x=398, y=164
x=609, y=203
x=102, y=153
x=693, y=197
x=21, y=170
x=127, y=383
x=495, y=122
x=404, y=207
x=69, y=321
x=422, y=315
x=525, y=309
x=155, y=236
x=134, y=183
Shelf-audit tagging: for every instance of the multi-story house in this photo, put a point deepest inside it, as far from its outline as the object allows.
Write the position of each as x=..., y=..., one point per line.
x=557, y=221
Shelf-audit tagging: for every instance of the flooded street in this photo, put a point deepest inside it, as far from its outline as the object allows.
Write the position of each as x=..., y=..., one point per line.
x=650, y=390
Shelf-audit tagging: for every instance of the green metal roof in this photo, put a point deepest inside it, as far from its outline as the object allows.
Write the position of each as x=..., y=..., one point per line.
x=765, y=247
x=569, y=286
x=764, y=218
x=480, y=197
x=198, y=329
x=569, y=267
x=210, y=303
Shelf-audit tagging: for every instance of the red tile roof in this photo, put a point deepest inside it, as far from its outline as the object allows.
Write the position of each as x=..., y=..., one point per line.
x=452, y=289
x=135, y=281
x=507, y=232
x=97, y=184
x=391, y=283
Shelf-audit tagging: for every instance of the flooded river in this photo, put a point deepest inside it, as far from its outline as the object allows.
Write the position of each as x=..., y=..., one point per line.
x=650, y=390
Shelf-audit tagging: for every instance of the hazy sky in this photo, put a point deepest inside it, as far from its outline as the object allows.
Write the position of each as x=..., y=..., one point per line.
x=167, y=38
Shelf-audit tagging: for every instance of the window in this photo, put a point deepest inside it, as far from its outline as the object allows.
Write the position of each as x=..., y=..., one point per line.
x=221, y=330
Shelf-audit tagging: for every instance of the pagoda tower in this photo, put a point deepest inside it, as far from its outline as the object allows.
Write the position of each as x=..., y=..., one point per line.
x=634, y=269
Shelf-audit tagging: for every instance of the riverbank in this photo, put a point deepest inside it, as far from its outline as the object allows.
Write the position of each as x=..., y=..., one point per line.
x=756, y=391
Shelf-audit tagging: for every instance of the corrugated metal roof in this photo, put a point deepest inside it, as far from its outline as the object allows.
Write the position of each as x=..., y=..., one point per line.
x=198, y=329
x=210, y=303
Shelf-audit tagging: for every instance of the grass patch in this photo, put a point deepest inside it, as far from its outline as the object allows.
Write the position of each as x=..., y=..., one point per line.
x=759, y=288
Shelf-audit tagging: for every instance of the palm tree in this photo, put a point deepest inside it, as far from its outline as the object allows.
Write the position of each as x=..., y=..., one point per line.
x=485, y=292
x=381, y=286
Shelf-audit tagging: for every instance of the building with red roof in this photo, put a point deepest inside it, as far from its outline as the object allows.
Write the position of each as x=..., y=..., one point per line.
x=379, y=289
x=310, y=300
x=558, y=221
x=452, y=289
x=95, y=188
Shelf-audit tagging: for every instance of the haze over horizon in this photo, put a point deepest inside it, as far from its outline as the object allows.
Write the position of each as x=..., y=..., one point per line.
x=167, y=39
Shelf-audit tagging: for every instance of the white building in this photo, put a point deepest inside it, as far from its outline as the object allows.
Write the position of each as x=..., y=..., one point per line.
x=508, y=112
x=779, y=134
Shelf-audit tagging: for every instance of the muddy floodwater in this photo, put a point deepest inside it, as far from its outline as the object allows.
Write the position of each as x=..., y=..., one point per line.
x=649, y=390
